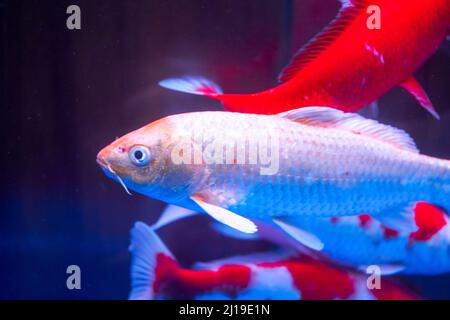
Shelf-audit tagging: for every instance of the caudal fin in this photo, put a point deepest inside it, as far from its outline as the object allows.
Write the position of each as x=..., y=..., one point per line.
x=144, y=248
x=193, y=85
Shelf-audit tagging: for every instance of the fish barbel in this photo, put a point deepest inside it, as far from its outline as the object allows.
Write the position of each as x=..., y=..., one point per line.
x=312, y=161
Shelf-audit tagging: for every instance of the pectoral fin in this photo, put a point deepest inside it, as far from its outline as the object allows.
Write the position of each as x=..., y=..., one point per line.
x=415, y=89
x=307, y=239
x=225, y=216
x=226, y=231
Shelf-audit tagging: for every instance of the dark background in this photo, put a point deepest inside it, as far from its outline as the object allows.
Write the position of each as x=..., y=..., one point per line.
x=66, y=94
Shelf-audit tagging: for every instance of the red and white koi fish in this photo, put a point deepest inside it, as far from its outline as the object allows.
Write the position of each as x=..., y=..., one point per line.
x=359, y=241
x=156, y=274
x=324, y=163
x=348, y=66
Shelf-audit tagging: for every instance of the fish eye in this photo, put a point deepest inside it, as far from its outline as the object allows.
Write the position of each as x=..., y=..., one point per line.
x=140, y=155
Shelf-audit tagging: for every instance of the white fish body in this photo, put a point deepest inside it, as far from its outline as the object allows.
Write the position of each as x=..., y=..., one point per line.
x=309, y=162
x=321, y=171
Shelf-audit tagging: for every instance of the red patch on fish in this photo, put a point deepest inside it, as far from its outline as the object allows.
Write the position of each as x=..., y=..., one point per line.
x=364, y=220
x=316, y=280
x=179, y=283
x=429, y=219
x=389, y=233
x=334, y=220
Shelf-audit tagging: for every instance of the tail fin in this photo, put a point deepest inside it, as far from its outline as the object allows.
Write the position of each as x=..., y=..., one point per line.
x=144, y=248
x=193, y=85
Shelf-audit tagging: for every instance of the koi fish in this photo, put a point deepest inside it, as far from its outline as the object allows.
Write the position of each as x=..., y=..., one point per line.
x=156, y=274
x=358, y=241
x=328, y=164
x=423, y=251
x=347, y=65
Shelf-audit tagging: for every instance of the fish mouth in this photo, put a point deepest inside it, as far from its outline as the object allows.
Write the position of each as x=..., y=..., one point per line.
x=102, y=162
x=106, y=166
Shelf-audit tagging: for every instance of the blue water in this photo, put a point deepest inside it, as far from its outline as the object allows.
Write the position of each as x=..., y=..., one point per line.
x=69, y=93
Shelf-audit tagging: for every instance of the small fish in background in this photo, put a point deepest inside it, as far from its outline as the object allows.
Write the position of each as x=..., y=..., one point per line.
x=156, y=274
x=358, y=241
x=328, y=164
x=348, y=66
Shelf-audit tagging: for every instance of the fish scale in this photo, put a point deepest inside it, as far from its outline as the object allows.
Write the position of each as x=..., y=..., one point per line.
x=370, y=245
x=325, y=163
x=322, y=171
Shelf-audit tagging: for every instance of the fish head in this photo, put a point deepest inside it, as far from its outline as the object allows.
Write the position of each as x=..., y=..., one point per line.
x=142, y=161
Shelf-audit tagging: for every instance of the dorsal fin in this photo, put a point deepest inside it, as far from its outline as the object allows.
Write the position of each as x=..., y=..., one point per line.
x=332, y=118
x=323, y=39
